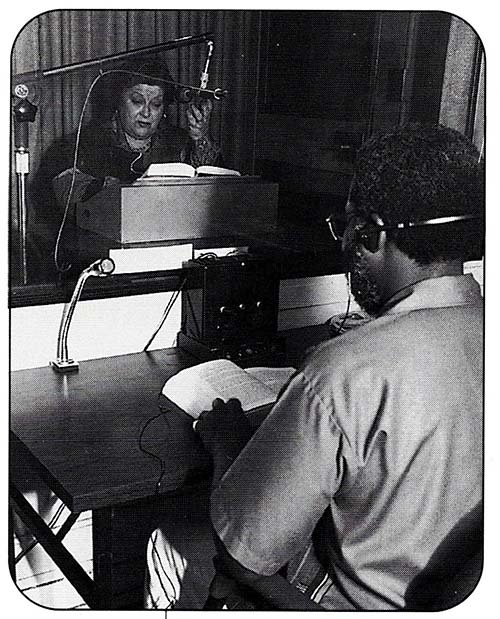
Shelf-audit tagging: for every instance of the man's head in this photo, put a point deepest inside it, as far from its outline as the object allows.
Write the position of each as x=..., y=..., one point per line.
x=412, y=174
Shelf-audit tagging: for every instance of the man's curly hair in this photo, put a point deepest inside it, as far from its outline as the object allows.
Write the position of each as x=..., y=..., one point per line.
x=420, y=172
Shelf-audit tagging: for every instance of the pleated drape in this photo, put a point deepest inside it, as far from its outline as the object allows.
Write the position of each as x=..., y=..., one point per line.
x=462, y=100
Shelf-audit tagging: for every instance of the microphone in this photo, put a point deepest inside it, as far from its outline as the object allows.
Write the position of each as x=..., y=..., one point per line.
x=24, y=113
x=23, y=91
x=100, y=268
x=186, y=95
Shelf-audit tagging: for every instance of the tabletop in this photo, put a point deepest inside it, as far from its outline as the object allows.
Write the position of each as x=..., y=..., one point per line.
x=87, y=433
x=81, y=430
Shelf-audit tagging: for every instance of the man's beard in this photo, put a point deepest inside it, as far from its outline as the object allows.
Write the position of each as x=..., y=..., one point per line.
x=362, y=284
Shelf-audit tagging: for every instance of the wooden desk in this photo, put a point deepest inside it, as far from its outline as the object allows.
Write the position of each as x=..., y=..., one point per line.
x=80, y=433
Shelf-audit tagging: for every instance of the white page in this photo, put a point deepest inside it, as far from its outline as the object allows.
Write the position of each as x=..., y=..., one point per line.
x=169, y=169
x=210, y=170
x=274, y=378
x=195, y=388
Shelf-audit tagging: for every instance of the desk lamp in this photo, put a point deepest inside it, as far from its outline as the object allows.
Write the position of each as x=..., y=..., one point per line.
x=100, y=268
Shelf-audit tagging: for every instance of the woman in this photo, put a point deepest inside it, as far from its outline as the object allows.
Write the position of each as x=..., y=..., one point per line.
x=121, y=148
x=128, y=131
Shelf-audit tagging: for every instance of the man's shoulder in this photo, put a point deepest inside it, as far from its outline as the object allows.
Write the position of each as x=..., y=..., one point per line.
x=385, y=341
x=356, y=341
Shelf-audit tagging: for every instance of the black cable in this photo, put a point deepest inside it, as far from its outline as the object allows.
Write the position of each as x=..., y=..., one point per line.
x=150, y=453
x=169, y=306
x=341, y=326
x=338, y=329
x=206, y=258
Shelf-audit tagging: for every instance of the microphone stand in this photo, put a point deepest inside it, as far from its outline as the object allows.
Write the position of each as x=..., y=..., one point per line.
x=24, y=113
x=174, y=44
x=100, y=268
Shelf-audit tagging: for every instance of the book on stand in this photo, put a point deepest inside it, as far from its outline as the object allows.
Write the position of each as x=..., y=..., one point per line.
x=183, y=170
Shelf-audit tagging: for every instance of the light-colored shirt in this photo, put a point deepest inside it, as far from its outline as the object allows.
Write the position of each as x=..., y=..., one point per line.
x=379, y=436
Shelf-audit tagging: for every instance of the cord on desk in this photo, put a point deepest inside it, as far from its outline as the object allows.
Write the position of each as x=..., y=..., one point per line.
x=209, y=257
x=150, y=453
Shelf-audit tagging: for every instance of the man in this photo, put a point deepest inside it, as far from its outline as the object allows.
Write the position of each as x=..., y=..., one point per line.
x=372, y=457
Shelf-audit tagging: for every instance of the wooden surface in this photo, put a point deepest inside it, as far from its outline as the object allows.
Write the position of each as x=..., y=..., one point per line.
x=80, y=432
x=185, y=208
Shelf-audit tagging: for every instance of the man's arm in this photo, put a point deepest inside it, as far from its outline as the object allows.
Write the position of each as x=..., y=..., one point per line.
x=274, y=589
x=225, y=431
x=268, y=503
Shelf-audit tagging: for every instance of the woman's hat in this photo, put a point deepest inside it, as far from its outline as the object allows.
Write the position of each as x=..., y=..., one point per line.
x=152, y=72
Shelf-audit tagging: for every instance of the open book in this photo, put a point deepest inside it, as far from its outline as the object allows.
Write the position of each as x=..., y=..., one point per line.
x=194, y=389
x=160, y=170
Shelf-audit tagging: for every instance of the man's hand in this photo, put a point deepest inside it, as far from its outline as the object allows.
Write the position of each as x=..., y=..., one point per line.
x=224, y=431
x=198, y=118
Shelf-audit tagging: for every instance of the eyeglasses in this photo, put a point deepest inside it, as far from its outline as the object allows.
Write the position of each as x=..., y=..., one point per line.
x=338, y=227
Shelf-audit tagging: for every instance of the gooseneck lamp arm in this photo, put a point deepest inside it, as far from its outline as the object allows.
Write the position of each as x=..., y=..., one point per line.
x=100, y=268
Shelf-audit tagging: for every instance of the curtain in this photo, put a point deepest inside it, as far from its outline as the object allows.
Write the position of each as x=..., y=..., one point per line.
x=66, y=36
x=462, y=100
x=62, y=37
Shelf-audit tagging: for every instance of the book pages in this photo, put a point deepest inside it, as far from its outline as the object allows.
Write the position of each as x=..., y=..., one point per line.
x=194, y=389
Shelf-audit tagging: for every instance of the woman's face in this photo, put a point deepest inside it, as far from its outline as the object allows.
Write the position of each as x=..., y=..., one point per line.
x=141, y=109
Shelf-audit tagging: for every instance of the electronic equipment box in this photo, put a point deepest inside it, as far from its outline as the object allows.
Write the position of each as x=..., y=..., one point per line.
x=230, y=309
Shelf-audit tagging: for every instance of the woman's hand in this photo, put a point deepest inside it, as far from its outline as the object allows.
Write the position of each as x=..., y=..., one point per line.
x=111, y=180
x=198, y=118
x=224, y=432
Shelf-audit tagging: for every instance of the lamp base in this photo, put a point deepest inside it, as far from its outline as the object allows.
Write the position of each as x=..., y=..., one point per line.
x=70, y=365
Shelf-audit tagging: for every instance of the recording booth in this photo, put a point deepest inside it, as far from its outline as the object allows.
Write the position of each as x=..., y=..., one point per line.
x=163, y=273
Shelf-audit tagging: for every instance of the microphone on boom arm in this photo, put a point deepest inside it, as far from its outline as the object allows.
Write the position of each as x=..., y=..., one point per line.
x=186, y=94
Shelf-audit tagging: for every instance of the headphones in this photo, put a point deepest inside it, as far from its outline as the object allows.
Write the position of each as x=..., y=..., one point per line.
x=368, y=234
